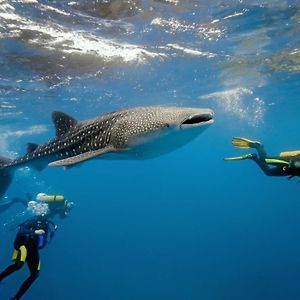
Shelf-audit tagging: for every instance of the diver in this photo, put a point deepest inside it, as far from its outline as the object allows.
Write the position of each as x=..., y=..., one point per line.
x=32, y=236
x=57, y=204
x=47, y=205
x=286, y=164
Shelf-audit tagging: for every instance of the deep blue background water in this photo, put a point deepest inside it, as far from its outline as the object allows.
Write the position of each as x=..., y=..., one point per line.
x=186, y=225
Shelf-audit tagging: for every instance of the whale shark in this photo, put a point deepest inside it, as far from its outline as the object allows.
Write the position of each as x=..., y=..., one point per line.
x=136, y=133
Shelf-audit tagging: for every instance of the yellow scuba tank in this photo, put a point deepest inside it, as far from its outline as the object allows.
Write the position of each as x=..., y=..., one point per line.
x=49, y=198
x=289, y=153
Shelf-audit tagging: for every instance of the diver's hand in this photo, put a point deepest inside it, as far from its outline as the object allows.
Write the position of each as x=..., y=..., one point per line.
x=39, y=232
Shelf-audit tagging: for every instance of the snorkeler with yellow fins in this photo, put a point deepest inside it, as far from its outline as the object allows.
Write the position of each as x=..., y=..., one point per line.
x=286, y=164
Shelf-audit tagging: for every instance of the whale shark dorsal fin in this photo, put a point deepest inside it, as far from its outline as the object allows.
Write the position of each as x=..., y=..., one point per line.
x=67, y=162
x=62, y=122
x=30, y=147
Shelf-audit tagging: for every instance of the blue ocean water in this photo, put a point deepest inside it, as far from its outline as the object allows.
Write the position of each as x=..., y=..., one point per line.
x=187, y=225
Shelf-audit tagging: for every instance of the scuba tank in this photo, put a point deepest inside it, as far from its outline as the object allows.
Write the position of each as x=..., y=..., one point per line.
x=49, y=198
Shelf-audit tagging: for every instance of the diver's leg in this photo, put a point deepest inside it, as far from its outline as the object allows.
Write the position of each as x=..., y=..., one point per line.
x=33, y=261
x=245, y=143
x=260, y=151
x=11, y=269
x=269, y=171
x=19, y=256
x=26, y=285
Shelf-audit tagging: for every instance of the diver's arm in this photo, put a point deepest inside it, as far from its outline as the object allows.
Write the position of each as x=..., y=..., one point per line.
x=51, y=229
x=63, y=214
x=27, y=227
x=52, y=224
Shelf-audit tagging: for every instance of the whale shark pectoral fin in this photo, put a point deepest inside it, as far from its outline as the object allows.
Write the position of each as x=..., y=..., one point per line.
x=67, y=162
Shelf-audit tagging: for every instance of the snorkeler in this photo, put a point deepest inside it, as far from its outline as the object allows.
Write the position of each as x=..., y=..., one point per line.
x=33, y=235
x=286, y=164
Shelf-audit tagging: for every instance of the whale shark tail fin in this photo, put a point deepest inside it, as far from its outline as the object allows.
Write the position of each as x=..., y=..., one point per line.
x=6, y=175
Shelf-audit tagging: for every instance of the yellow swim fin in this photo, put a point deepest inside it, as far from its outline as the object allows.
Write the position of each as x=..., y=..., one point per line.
x=289, y=153
x=241, y=142
x=239, y=157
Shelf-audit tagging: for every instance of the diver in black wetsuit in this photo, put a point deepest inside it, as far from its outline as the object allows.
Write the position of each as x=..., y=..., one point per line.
x=33, y=235
x=286, y=164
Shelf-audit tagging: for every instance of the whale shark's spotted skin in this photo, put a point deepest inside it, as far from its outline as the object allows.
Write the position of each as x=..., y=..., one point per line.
x=117, y=132
x=137, y=133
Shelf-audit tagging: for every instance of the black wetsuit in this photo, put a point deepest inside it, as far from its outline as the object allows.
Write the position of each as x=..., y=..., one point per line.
x=27, y=245
x=286, y=166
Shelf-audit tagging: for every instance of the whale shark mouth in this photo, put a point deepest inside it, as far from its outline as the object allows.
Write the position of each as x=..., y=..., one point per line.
x=197, y=120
